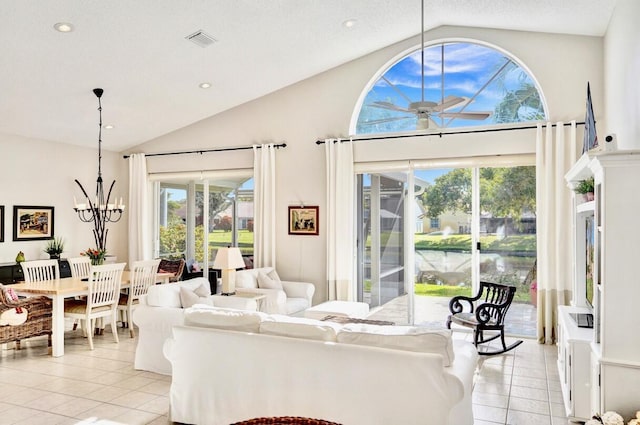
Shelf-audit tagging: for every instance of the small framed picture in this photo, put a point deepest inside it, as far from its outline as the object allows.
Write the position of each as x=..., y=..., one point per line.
x=1, y=223
x=303, y=220
x=32, y=223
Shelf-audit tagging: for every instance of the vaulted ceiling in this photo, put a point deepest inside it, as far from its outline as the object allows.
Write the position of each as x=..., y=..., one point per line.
x=137, y=52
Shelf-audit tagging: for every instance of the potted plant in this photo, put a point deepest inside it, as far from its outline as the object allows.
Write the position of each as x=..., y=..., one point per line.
x=585, y=187
x=54, y=248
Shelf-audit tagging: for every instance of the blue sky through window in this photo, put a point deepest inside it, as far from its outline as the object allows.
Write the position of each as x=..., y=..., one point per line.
x=483, y=77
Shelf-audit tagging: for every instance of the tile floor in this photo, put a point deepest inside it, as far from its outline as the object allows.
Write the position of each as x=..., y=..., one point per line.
x=101, y=386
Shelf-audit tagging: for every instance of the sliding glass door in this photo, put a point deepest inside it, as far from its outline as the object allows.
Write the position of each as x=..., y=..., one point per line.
x=429, y=234
x=381, y=237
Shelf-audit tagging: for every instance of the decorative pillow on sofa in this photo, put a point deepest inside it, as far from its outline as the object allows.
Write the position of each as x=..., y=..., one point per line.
x=267, y=282
x=168, y=295
x=409, y=338
x=228, y=319
x=299, y=327
x=189, y=297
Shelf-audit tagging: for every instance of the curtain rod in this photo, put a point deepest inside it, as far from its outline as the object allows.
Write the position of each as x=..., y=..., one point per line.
x=239, y=148
x=402, y=136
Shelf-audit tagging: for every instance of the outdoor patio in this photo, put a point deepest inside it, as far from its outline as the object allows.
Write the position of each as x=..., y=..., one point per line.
x=433, y=311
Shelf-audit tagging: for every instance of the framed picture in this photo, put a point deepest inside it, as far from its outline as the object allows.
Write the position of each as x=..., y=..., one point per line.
x=303, y=220
x=32, y=223
x=1, y=223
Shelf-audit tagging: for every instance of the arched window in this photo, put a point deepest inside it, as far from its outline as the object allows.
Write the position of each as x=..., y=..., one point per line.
x=462, y=84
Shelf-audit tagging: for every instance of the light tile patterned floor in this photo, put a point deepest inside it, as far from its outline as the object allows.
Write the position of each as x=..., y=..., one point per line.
x=82, y=387
x=101, y=386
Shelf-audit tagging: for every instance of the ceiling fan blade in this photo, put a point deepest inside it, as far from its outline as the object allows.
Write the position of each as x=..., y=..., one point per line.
x=389, y=106
x=466, y=115
x=383, y=120
x=448, y=102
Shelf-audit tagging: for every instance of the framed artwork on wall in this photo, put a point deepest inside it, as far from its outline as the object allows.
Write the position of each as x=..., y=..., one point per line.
x=32, y=223
x=1, y=223
x=303, y=220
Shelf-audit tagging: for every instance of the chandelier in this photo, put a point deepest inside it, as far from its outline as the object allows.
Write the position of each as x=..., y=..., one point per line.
x=100, y=210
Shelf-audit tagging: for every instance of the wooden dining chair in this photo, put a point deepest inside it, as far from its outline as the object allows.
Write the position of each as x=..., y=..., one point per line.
x=143, y=275
x=40, y=270
x=80, y=266
x=102, y=299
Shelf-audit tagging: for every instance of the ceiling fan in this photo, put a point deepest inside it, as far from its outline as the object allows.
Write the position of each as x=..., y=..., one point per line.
x=424, y=110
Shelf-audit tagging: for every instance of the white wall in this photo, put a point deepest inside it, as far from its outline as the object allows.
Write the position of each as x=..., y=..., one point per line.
x=42, y=173
x=322, y=106
x=622, y=75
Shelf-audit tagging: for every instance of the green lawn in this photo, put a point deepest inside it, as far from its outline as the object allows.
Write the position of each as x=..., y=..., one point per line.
x=425, y=289
x=221, y=238
x=463, y=242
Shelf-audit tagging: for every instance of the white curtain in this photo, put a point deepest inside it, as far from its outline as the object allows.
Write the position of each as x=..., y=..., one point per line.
x=554, y=216
x=139, y=236
x=264, y=202
x=340, y=220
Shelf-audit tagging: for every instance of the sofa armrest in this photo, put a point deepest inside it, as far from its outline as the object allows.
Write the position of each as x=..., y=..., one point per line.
x=237, y=303
x=276, y=301
x=299, y=290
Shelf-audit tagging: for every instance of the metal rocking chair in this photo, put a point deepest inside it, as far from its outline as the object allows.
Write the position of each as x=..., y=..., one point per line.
x=487, y=314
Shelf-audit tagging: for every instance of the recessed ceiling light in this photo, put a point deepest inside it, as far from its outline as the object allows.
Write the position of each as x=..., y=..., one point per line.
x=204, y=85
x=109, y=126
x=349, y=23
x=63, y=27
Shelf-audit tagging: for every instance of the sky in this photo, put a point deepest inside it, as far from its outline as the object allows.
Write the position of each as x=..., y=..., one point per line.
x=466, y=69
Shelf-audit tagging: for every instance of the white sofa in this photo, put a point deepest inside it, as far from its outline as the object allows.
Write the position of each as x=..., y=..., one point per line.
x=163, y=308
x=231, y=366
x=283, y=297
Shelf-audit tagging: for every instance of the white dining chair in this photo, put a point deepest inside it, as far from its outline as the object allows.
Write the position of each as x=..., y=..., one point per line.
x=143, y=275
x=102, y=299
x=79, y=266
x=40, y=270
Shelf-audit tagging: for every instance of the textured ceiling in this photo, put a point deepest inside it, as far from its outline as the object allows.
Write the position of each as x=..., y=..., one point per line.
x=136, y=51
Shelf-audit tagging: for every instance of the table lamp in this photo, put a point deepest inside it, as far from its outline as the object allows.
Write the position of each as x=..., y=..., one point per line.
x=228, y=260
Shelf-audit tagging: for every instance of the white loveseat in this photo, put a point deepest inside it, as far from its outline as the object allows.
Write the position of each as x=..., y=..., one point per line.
x=231, y=366
x=163, y=308
x=283, y=297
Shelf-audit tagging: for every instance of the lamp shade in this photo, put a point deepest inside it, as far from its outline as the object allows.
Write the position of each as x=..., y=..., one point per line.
x=228, y=258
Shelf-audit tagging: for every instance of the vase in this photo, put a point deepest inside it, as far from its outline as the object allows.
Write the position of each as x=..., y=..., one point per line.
x=97, y=261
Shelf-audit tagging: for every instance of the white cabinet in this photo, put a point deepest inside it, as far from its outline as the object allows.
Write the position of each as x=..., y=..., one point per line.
x=574, y=359
x=614, y=360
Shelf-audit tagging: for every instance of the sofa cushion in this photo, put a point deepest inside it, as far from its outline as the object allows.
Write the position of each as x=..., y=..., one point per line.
x=409, y=338
x=220, y=318
x=249, y=278
x=168, y=295
x=189, y=297
x=299, y=327
x=267, y=282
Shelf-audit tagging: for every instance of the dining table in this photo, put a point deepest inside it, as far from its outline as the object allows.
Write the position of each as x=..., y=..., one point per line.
x=68, y=287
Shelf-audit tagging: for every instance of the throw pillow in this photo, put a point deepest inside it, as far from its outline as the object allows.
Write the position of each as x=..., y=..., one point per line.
x=265, y=282
x=13, y=317
x=190, y=297
x=273, y=274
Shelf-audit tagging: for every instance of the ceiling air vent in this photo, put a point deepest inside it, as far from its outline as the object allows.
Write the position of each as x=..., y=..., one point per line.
x=201, y=38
